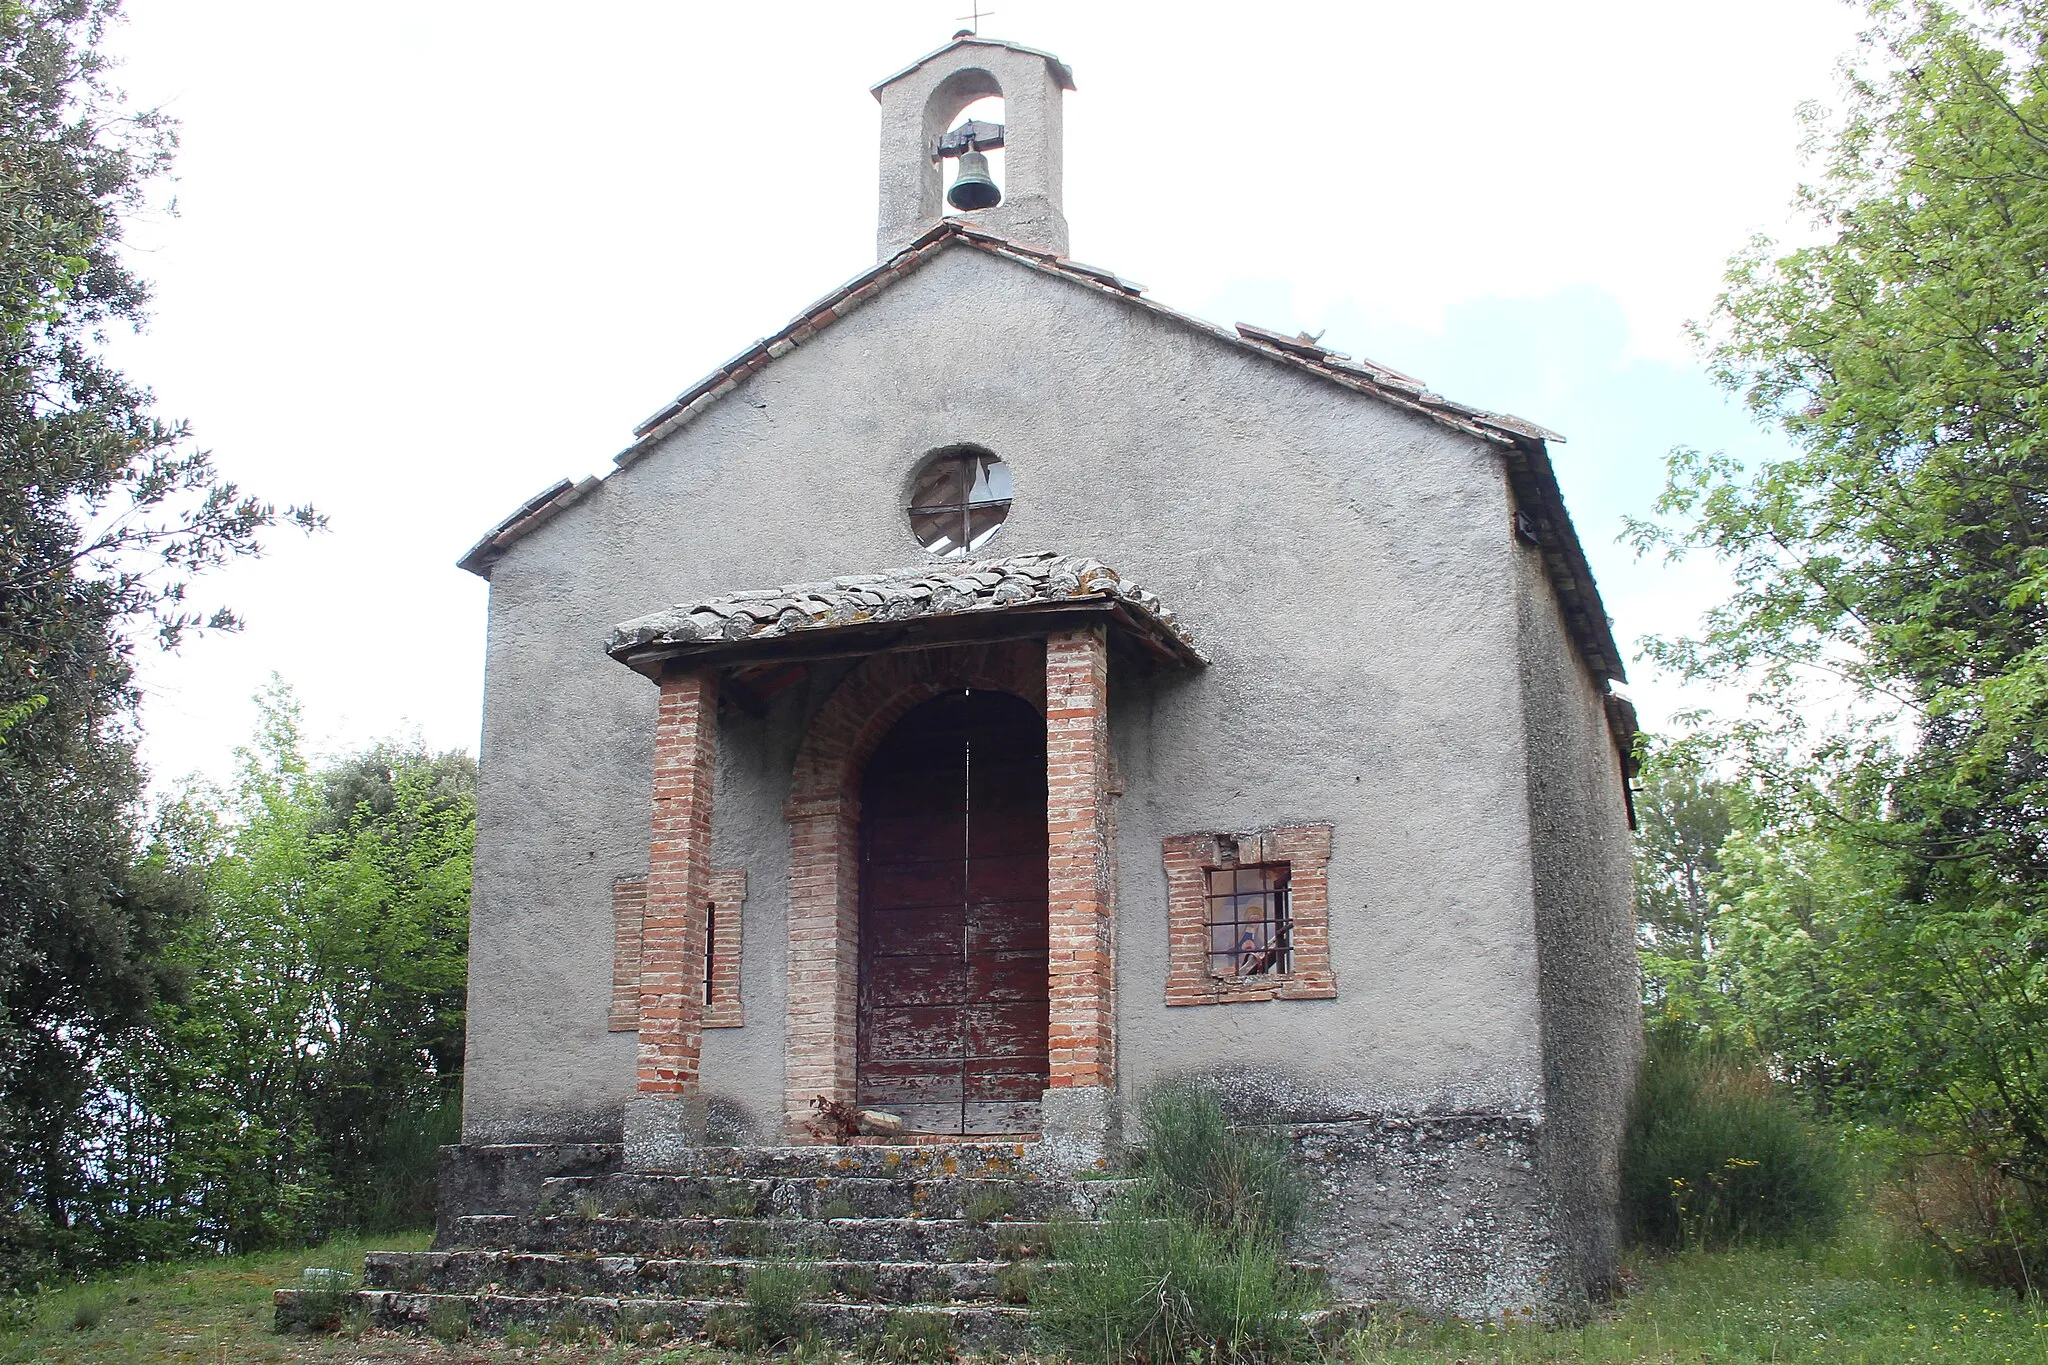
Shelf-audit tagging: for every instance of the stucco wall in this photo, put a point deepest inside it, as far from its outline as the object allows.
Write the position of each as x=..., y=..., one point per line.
x=1585, y=921
x=1348, y=567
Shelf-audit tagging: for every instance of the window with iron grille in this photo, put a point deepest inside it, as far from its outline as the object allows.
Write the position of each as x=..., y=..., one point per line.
x=1248, y=922
x=1248, y=915
x=958, y=500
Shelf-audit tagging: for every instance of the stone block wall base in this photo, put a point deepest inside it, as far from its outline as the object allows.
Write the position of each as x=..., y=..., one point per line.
x=1446, y=1213
x=505, y=1178
x=1082, y=1127
x=661, y=1130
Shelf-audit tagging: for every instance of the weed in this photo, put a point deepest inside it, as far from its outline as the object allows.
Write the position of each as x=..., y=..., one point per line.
x=1187, y=1268
x=859, y=1282
x=918, y=1337
x=836, y=1121
x=1171, y=1290
x=355, y=1319
x=1020, y=1244
x=322, y=1296
x=1014, y=1281
x=86, y=1314
x=839, y=1206
x=521, y=1335
x=448, y=1320
x=569, y=1326
x=989, y=1203
x=964, y=1248
x=727, y=1328
x=745, y=1239
x=589, y=1207
x=779, y=1296
x=1196, y=1166
x=738, y=1200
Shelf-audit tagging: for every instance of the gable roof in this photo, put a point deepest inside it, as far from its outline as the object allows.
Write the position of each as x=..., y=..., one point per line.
x=1521, y=443
x=960, y=592
x=1060, y=70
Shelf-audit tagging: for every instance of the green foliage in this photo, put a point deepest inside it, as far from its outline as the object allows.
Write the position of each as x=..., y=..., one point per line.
x=1857, y=1302
x=918, y=1336
x=989, y=1204
x=1195, y=1166
x=309, y=1066
x=448, y=1320
x=1189, y=1266
x=779, y=1298
x=1716, y=1157
x=1880, y=920
x=109, y=515
x=1168, y=1290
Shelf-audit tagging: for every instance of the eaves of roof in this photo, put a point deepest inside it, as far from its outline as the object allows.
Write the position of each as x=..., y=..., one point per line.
x=1522, y=443
x=1061, y=72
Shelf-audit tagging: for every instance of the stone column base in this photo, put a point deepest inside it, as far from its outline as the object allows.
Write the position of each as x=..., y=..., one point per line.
x=661, y=1129
x=1082, y=1127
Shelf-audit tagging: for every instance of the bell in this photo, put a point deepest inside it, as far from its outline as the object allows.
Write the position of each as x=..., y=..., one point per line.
x=973, y=189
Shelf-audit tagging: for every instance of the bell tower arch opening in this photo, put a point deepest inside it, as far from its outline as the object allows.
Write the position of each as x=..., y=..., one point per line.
x=937, y=130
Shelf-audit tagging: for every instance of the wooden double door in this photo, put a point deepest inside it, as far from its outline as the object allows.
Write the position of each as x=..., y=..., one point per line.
x=953, y=987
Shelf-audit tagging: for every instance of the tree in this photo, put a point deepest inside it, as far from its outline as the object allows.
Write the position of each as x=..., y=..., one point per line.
x=1899, y=559
x=1683, y=815
x=107, y=513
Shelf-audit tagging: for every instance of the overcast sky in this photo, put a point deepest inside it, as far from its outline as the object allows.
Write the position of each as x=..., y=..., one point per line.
x=431, y=256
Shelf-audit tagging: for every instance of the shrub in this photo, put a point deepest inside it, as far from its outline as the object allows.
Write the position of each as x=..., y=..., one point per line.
x=1167, y=1290
x=1716, y=1156
x=1189, y=1266
x=1991, y=1227
x=1195, y=1165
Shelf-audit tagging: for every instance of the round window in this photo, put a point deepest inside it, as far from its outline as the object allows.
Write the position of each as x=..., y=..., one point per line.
x=959, y=498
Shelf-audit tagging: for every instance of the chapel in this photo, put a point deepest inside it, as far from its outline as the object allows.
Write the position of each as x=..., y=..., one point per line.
x=895, y=765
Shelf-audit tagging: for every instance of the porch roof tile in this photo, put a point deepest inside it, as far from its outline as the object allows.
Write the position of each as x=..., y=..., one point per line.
x=724, y=628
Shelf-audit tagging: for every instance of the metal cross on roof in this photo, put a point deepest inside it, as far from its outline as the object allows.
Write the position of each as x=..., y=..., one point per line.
x=975, y=18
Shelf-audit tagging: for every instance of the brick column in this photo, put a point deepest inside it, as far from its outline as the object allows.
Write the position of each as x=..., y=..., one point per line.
x=824, y=958
x=667, y=1113
x=1079, y=1107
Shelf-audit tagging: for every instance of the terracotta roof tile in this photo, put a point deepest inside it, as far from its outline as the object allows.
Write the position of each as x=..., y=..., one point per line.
x=926, y=591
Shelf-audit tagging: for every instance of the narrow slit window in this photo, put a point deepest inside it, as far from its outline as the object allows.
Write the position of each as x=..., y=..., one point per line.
x=1249, y=929
x=710, y=949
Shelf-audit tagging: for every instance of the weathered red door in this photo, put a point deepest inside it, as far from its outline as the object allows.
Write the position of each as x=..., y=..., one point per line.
x=952, y=1030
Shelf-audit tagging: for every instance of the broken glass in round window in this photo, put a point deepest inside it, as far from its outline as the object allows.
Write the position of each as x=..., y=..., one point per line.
x=958, y=500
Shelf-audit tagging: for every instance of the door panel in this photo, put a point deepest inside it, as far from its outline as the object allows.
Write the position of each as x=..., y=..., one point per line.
x=953, y=989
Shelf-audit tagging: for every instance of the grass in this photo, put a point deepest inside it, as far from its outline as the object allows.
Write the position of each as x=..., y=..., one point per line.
x=1851, y=1303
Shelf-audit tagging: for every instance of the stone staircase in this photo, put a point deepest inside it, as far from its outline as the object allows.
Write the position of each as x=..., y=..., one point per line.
x=929, y=1247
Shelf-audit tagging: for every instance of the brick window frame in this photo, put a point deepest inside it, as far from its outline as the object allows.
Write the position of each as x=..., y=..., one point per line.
x=1305, y=849
x=728, y=893
x=728, y=890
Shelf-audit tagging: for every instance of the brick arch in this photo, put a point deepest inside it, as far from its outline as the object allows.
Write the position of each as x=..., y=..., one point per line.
x=824, y=841
x=886, y=687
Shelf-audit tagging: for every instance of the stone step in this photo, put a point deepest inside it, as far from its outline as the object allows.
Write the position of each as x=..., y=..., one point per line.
x=974, y=1198
x=528, y=1273
x=904, y=1159
x=940, y=1330
x=704, y=1237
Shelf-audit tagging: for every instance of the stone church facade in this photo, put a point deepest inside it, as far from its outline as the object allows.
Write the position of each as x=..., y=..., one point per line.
x=995, y=693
